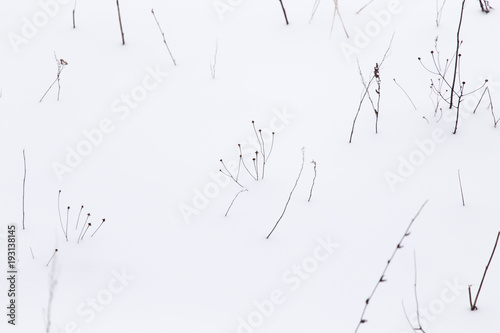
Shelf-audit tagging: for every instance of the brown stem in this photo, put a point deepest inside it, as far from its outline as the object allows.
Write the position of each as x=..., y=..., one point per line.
x=120, y=20
x=284, y=11
x=474, y=307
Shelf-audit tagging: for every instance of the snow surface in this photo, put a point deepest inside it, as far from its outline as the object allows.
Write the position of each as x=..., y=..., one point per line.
x=185, y=267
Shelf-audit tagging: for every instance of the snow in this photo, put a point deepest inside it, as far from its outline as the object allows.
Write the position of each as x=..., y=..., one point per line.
x=167, y=259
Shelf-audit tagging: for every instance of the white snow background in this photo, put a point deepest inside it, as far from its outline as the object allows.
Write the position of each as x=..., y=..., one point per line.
x=167, y=259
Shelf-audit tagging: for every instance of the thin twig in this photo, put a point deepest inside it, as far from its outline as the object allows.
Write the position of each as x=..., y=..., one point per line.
x=243, y=162
x=485, y=6
x=60, y=66
x=263, y=153
x=59, y=210
x=261, y=145
x=408, y=96
x=120, y=20
x=376, y=74
x=470, y=298
x=335, y=13
x=74, y=9
x=256, y=163
x=228, y=174
x=83, y=228
x=78, y=219
x=61, y=63
x=367, y=88
x=461, y=189
x=416, y=295
x=234, y=199
x=359, y=11
x=55, y=251
x=314, y=180
x=88, y=226
x=99, y=227
x=473, y=306
x=272, y=145
x=456, y=55
x=163, y=35
x=439, y=12
x=290, y=196
x=406, y=315
x=490, y=105
x=382, y=277
x=284, y=11
x=41, y=99
x=213, y=63
x=315, y=7
x=67, y=221
x=52, y=287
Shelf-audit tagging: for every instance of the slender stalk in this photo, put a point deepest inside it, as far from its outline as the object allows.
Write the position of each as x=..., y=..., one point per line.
x=485, y=6
x=163, y=35
x=74, y=9
x=99, y=227
x=369, y=2
x=59, y=210
x=314, y=180
x=461, y=189
x=83, y=228
x=120, y=20
x=367, y=88
x=213, y=64
x=382, y=277
x=416, y=295
x=41, y=99
x=234, y=199
x=439, y=12
x=244, y=165
x=228, y=174
x=61, y=63
x=284, y=11
x=88, y=226
x=52, y=288
x=473, y=306
x=419, y=328
x=272, y=145
x=290, y=196
x=456, y=56
x=256, y=163
x=78, y=219
x=405, y=93
x=335, y=13
x=376, y=74
x=490, y=105
x=55, y=251
x=67, y=221
x=315, y=7
x=263, y=153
